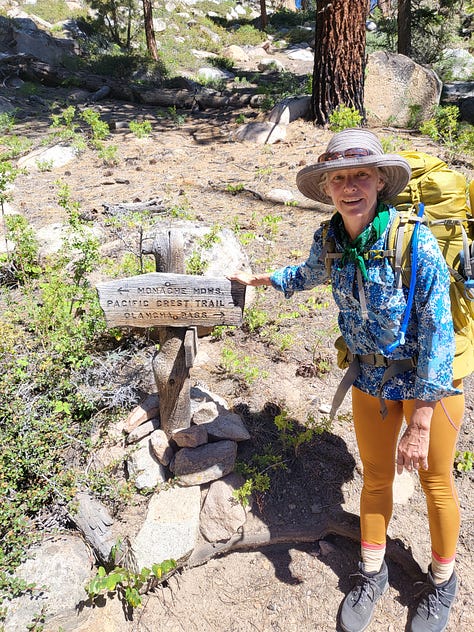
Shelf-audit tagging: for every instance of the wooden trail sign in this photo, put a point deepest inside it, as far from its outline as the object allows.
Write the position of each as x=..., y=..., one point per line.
x=173, y=300
x=177, y=304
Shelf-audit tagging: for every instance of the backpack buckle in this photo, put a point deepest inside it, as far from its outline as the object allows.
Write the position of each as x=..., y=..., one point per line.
x=377, y=254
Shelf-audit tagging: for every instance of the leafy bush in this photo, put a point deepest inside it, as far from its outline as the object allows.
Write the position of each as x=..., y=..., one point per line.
x=221, y=62
x=464, y=461
x=284, y=18
x=127, y=584
x=140, y=129
x=99, y=128
x=7, y=122
x=246, y=35
x=298, y=35
x=50, y=324
x=13, y=146
x=445, y=128
x=123, y=64
x=255, y=318
x=344, y=117
x=284, y=84
x=239, y=366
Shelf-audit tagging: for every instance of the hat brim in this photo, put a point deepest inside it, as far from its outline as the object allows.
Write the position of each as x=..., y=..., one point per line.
x=398, y=171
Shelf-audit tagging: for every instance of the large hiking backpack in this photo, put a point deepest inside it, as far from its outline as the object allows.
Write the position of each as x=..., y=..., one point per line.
x=443, y=193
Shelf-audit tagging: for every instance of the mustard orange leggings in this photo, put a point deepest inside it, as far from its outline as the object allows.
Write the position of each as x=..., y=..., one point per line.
x=377, y=439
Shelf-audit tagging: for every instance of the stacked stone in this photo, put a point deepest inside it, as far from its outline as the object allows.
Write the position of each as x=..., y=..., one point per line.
x=199, y=461
x=204, y=452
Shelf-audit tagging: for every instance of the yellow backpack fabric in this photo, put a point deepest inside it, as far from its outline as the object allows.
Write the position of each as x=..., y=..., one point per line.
x=443, y=191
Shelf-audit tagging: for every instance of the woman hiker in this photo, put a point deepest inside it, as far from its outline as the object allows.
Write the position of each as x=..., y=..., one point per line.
x=411, y=380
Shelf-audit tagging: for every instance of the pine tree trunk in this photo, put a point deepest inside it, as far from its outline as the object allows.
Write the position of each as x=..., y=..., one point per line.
x=339, y=59
x=263, y=15
x=404, y=27
x=149, y=30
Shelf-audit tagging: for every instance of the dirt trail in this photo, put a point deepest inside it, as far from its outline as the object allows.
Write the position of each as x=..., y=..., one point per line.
x=298, y=586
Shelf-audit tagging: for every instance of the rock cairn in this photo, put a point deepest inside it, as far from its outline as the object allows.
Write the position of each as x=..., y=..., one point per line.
x=193, y=475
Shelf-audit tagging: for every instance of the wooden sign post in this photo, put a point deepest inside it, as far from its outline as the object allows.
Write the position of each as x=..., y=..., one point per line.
x=177, y=303
x=176, y=300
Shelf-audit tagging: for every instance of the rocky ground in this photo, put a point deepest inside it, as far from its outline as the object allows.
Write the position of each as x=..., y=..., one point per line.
x=298, y=585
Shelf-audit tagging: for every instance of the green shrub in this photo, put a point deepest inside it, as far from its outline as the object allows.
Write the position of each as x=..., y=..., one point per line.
x=99, y=128
x=255, y=318
x=221, y=62
x=392, y=144
x=197, y=262
x=140, y=129
x=344, y=117
x=126, y=584
x=284, y=84
x=445, y=128
x=7, y=122
x=286, y=18
x=123, y=65
x=28, y=89
x=177, y=118
x=464, y=461
x=23, y=261
x=66, y=118
x=240, y=366
x=108, y=154
x=246, y=35
x=257, y=474
x=8, y=175
x=48, y=333
x=298, y=35
x=13, y=146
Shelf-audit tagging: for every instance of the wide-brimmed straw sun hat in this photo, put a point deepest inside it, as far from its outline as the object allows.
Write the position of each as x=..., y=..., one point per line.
x=350, y=149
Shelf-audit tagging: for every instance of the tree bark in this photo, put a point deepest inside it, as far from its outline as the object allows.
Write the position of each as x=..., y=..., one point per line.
x=263, y=15
x=149, y=30
x=339, y=59
x=404, y=27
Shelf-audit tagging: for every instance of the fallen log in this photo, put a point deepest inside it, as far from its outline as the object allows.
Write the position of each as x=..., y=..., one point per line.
x=94, y=521
x=344, y=526
x=29, y=68
x=151, y=206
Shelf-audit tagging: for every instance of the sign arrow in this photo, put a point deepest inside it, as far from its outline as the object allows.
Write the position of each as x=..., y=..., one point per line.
x=171, y=300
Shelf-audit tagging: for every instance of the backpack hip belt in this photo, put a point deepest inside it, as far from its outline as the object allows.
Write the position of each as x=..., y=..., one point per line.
x=392, y=368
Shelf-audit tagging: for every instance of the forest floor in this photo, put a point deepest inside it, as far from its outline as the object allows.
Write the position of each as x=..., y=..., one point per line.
x=296, y=587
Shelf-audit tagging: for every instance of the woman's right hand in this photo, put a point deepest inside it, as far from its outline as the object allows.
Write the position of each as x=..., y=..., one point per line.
x=249, y=279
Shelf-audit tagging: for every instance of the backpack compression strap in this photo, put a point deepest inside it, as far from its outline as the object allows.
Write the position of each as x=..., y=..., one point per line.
x=467, y=264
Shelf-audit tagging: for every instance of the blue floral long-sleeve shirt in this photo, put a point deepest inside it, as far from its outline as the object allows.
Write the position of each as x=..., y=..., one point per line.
x=429, y=336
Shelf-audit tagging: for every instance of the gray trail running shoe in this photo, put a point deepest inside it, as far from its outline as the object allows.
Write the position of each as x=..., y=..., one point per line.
x=433, y=610
x=358, y=605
